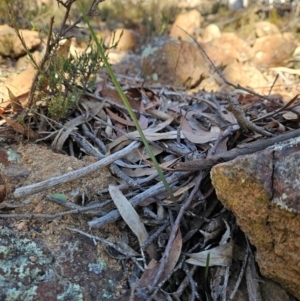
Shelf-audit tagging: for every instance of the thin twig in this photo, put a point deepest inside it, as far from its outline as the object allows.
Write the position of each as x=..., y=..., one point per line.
x=63, y=203
x=152, y=237
x=237, y=87
x=278, y=110
x=189, y=275
x=173, y=233
x=153, y=190
x=71, y=176
x=239, y=280
x=239, y=114
x=244, y=149
x=103, y=240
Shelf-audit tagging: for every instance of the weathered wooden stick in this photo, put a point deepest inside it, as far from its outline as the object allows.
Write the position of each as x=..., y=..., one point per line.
x=244, y=149
x=76, y=174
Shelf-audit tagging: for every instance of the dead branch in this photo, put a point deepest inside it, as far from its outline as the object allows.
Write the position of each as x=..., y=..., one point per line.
x=241, y=150
x=71, y=176
x=239, y=114
x=173, y=233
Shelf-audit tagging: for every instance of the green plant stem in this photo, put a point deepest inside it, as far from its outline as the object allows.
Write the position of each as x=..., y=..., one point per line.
x=128, y=107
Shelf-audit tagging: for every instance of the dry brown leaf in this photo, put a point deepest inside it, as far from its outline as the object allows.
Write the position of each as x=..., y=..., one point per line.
x=274, y=124
x=290, y=116
x=135, y=155
x=20, y=128
x=199, y=136
x=64, y=49
x=2, y=189
x=149, y=274
x=137, y=173
x=149, y=133
x=92, y=105
x=20, y=84
x=173, y=256
x=3, y=158
x=181, y=190
x=153, y=265
x=124, y=121
x=64, y=133
x=15, y=102
x=114, y=96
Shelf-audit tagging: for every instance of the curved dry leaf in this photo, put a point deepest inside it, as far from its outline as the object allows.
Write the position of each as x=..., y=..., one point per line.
x=20, y=84
x=124, y=121
x=140, y=172
x=114, y=96
x=274, y=124
x=220, y=255
x=64, y=133
x=134, y=156
x=290, y=116
x=173, y=256
x=20, y=128
x=226, y=236
x=108, y=128
x=150, y=134
x=92, y=106
x=15, y=102
x=64, y=49
x=149, y=273
x=131, y=217
x=197, y=136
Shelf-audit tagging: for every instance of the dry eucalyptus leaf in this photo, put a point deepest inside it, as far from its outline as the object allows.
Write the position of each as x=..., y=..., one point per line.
x=64, y=133
x=197, y=136
x=173, y=255
x=131, y=217
x=220, y=255
x=92, y=106
x=20, y=128
x=15, y=102
x=290, y=116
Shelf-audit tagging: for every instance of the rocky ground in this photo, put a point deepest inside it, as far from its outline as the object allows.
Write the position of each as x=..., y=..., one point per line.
x=258, y=49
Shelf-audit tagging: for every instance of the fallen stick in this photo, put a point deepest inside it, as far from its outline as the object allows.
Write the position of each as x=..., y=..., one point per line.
x=113, y=215
x=76, y=174
x=244, y=149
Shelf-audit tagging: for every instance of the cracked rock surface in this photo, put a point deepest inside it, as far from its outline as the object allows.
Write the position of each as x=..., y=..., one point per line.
x=262, y=190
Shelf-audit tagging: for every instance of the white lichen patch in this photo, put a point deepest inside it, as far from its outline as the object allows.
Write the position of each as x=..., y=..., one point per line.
x=280, y=201
x=72, y=292
x=16, y=268
x=148, y=51
x=285, y=144
x=99, y=267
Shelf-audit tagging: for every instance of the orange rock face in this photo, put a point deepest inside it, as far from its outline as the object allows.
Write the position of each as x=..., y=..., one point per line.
x=175, y=62
x=273, y=49
x=126, y=39
x=189, y=21
x=263, y=193
x=228, y=48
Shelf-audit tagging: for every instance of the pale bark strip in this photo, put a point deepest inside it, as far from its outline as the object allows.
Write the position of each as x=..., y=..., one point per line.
x=76, y=174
